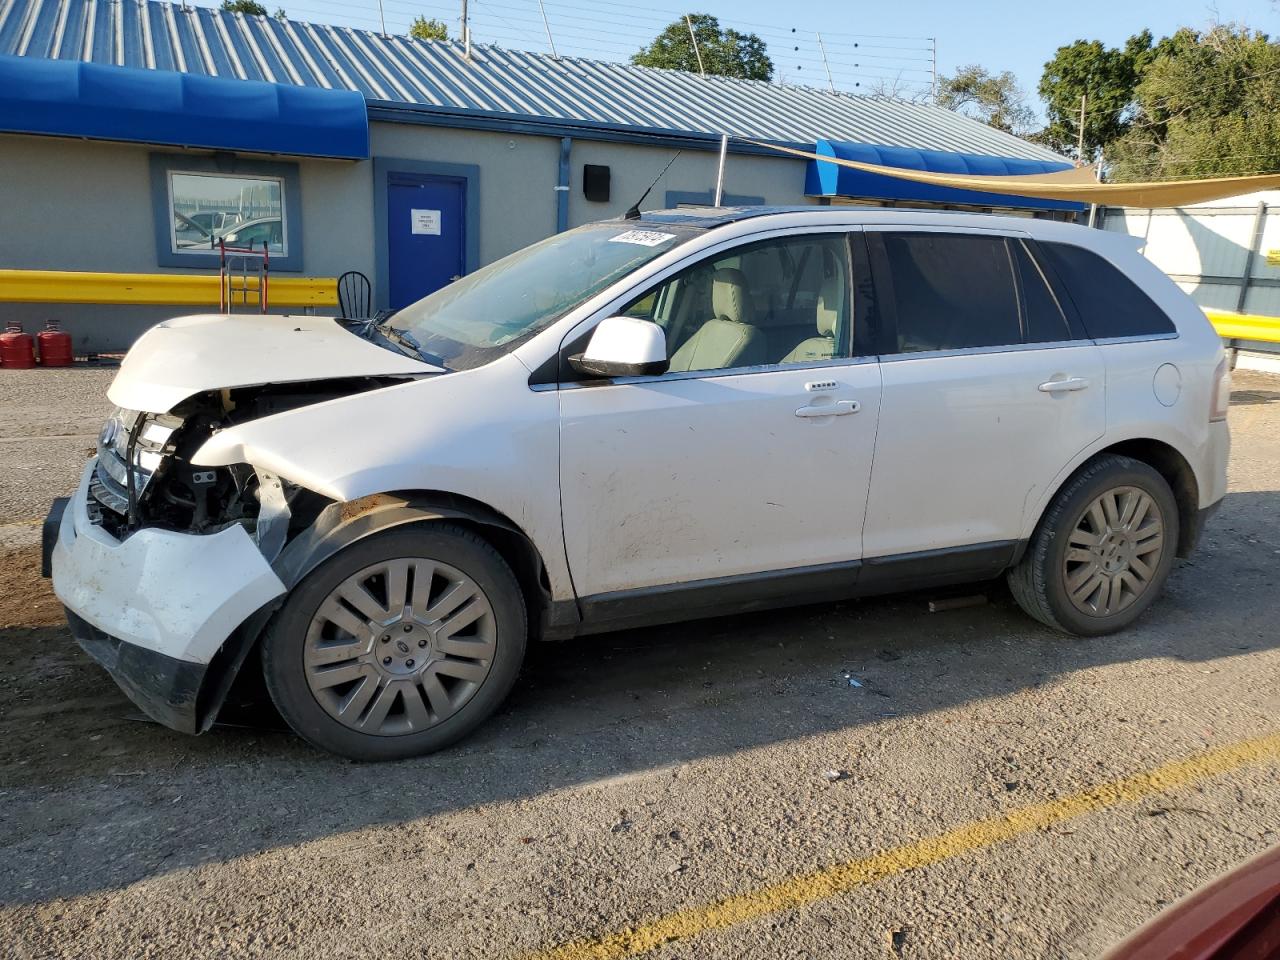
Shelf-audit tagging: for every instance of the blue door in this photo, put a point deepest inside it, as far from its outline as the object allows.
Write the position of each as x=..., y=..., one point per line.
x=426, y=240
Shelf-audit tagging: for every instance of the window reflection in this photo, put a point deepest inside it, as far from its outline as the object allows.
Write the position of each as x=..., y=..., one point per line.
x=242, y=211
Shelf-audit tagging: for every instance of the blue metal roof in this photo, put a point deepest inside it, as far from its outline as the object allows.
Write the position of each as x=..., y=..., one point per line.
x=831, y=180
x=68, y=98
x=434, y=82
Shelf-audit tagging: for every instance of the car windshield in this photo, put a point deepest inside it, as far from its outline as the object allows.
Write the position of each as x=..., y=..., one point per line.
x=490, y=312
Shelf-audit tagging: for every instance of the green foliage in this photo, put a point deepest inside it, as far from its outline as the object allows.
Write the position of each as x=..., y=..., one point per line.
x=1108, y=77
x=995, y=99
x=250, y=8
x=1207, y=105
x=424, y=29
x=725, y=53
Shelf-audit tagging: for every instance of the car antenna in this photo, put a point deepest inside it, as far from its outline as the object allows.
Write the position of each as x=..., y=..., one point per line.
x=634, y=212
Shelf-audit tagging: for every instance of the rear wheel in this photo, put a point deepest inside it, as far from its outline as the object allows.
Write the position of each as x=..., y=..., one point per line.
x=398, y=645
x=1102, y=551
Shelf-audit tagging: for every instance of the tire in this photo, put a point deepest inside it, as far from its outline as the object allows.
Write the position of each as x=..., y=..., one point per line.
x=361, y=636
x=1060, y=579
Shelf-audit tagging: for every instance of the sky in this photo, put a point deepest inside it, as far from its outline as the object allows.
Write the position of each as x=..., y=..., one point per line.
x=868, y=46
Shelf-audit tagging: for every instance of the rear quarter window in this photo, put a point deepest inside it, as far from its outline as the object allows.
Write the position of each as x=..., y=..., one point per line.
x=1109, y=303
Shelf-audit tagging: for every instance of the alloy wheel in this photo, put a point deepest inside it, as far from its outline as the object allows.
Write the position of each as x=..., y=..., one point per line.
x=400, y=646
x=1113, y=551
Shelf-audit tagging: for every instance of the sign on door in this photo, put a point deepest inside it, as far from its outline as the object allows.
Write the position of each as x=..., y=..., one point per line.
x=425, y=222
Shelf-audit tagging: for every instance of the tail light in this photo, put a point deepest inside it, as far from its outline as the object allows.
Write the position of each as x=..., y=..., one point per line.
x=1221, y=391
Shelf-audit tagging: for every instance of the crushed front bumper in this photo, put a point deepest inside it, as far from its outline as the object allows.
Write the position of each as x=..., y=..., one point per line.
x=166, y=689
x=159, y=607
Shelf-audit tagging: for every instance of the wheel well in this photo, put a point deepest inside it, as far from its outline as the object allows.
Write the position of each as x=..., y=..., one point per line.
x=509, y=540
x=1173, y=466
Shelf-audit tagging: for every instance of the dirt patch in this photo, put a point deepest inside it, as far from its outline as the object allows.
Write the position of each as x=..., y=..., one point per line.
x=26, y=598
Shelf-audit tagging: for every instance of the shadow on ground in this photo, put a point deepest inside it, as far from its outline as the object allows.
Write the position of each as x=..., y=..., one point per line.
x=93, y=800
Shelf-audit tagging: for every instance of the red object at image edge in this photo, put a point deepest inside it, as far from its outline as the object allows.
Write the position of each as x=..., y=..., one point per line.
x=1236, y=917
x=17, y=348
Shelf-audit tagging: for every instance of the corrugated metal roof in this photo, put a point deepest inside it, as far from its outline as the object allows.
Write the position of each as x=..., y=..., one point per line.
x=496, y=82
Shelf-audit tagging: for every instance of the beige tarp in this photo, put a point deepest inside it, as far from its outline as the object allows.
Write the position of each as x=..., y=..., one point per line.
x=1076, y=184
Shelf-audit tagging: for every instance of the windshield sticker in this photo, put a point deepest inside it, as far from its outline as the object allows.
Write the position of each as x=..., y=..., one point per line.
x=643, y=238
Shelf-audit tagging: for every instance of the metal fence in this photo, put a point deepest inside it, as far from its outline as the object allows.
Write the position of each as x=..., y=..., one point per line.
x=1226, y=255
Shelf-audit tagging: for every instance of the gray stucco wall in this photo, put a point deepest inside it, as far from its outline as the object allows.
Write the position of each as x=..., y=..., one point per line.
x=87, y=206
x=632, y=169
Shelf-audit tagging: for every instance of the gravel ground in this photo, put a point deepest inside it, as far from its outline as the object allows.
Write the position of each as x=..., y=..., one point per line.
x=50, y=428
x=639, y=773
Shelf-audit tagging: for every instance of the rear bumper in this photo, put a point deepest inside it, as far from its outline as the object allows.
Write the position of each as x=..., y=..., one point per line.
x=1192, y=537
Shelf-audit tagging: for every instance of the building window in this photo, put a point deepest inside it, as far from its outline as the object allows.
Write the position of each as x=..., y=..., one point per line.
x=200, y=201
x=241, y=211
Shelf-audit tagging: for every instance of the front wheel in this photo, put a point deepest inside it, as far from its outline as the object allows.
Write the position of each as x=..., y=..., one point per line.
x=398, y=645
x=1102, y=551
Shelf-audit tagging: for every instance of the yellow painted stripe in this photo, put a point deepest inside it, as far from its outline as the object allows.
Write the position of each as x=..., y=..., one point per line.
x=798, y=891
x=1244, y=326
x=182, y=289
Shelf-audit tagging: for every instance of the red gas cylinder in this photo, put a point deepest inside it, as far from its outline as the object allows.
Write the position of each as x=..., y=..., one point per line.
x=55, y=345
x=17, y=349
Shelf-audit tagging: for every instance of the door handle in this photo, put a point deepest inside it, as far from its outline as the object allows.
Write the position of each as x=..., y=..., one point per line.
x=840, y=408
x=1068, y=385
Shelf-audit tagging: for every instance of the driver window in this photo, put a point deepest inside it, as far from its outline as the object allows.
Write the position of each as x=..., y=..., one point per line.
x=772, y=302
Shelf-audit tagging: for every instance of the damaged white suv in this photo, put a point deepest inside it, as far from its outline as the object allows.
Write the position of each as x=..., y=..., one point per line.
x=639, y=421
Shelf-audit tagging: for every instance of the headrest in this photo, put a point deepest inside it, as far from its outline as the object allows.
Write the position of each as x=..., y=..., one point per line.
x=729, y=297
x=830, y=306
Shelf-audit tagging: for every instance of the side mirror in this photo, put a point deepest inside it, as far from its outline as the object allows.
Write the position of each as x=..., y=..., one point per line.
x=623, y=347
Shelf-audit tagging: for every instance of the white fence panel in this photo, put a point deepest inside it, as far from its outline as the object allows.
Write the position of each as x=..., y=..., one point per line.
x=1217, y=251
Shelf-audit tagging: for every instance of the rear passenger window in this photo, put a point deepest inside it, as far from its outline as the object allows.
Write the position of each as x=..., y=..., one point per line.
x=1043, y=319
x=1109, y=303
x=952, y=291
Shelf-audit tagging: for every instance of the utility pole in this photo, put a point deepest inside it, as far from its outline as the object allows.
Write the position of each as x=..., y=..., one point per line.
x=466, y=32
x=1080, y=142
x=383, y=17
x=831, y=83
x=724, y=149
x=696, y=52
x=933, y=61
x=551, y=43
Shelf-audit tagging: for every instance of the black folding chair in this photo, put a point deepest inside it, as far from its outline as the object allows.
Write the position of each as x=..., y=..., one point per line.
x=355, y=296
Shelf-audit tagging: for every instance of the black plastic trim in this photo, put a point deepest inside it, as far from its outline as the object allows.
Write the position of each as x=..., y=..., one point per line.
x=718, y=596
x=936, y=568
x=1191, y=537
x=164, y=688
x=49, y=535
x=828, y=582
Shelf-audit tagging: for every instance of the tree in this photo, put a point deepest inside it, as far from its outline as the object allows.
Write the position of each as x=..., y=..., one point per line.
x=896, y=88
x=995, y=99
x=725, y=53
x=250, y=8
x=1107, y=78
x=424, y=29
x=1208, y=104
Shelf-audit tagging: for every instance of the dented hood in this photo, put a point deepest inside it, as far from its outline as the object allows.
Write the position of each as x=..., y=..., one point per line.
x=189, y=355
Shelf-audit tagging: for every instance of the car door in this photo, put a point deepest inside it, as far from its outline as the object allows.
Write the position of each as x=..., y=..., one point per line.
x=989, y=390
x=742, y=472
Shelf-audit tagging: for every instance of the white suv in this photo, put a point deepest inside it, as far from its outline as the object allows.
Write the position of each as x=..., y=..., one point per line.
x=692, y=413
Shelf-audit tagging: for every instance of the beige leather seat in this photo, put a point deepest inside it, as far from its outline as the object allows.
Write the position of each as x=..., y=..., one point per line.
x=728, y=339
x=830, y=309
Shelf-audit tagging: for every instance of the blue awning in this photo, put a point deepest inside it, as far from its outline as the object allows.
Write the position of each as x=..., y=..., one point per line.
x=73, y=99
x=831, y=180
